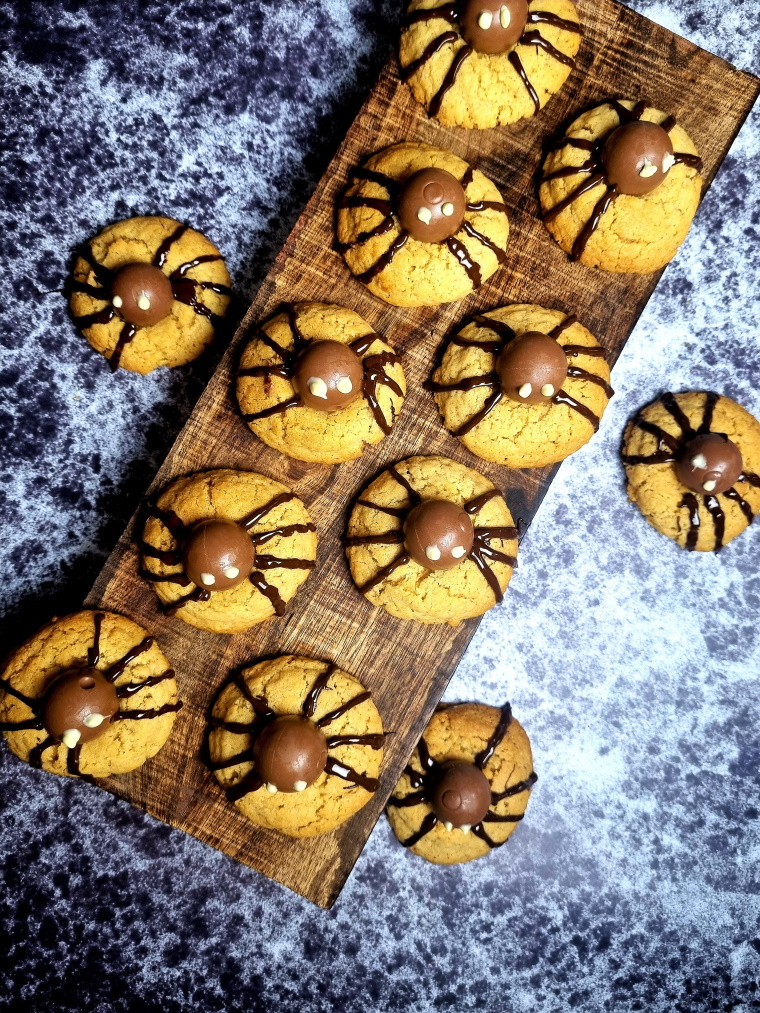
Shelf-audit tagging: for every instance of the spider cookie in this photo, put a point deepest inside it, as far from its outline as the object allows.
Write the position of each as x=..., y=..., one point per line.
x=693, y=467
x=420, y=227
x=621, y=189
x=226, y=550
x=149, y=292
x=433, y=541
x=482, y=63
x=466, y=787
x=523, y=386
x=88, y=695
x=317, y=384
x=297, y=745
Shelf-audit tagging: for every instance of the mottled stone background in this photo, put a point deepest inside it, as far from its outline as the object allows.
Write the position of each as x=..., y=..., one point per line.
x=633, y=884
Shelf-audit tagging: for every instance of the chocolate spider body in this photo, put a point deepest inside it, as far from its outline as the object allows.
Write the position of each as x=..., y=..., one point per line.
x=111, y=674
x=426, y=782
x=264, y=717
x=183, y=289
x=594, y=168
x=262, y=561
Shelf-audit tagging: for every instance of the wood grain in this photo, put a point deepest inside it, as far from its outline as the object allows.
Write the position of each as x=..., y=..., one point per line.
x=406, y=666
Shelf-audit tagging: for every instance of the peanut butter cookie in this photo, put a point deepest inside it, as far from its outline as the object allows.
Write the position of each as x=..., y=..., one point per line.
x=297, y=745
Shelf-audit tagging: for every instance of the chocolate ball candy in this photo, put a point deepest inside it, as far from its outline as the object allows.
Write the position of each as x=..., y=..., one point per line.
x=78, y=706
x=141, y=294
x=637, y=157
x=438, y=534
x=710, y=463
x=431, y=205
x=218, y=555
x=532, y=368
x=328, y=376
x=493, y=26
x=290, y=753
x=462, y=796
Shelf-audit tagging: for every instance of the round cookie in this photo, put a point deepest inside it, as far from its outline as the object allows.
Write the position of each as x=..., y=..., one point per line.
x=408, y=271
x=149, y=292
x=273, y=361
x=448, y=58
x=493, y=420
x=602, y=223
x=434, y=802
x=330, y=701
x=104, y=648
x=380, y=543
x=278, y=524
x=669, y=468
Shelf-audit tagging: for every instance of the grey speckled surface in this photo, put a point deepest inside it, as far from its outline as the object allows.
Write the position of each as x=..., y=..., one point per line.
x=634, y=882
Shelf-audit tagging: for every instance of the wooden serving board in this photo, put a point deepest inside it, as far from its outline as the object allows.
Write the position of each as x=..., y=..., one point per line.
x=405, y=665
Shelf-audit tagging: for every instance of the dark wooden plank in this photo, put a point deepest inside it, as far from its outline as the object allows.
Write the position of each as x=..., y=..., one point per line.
x=406, y=666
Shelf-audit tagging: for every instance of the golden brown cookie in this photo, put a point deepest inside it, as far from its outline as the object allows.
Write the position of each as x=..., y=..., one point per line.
x=383, y=550
x=455, y=73
x=271, y=369
x=149, y=292
x=175, y=537
x=466, y=787
x=407, y=271
x=491, y=418
x=700, y=492
x=311, y=727
x=602, y=225
x=46, y=690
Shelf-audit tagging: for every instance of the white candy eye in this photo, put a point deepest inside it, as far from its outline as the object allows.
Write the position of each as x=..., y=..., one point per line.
x=433, y=553
x=700, y=461
x=648, y=170
x=710, y=486
x=70, y=737
x=447, y=209
x=459, y=551
x=272, y=788
x=300, y=786
x=143, y=302
x=208, y=579
x=317, y=387
x=231, y=572
x=94, y=720
x=668, y=161
x=526, y=390
x=485, y=20
x=425, y=215
x=547, y=390
x=117, y=301
x=505, y=17
x=344, y=385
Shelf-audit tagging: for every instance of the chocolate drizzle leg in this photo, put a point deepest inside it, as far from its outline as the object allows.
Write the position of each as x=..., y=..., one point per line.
x=423, y=782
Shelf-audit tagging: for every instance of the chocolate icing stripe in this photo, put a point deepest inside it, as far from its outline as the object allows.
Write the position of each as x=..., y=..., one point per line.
x=166, y=578
x=373, y=176
x=516, y=62
x=184, y=291
x=250, y=783
x=260, y=512
x=508, y=818
x=746, y=509
x=673, y=408
x=270, y=592
x=401, y=560
x=206, y=258
x=515, y=789
x=428, y=824
x=35, y=755
x=448, y=12
x=93, y=653
x=6, y=687
x=466, y=180
x=163, y=251
x=571, y=170
x=491, y=579
x=234, y=727
x=125, y=692
x=495, y=556
x=103, y=274
x=73, y=764
x=260, y=707
x=691, y=503
x=117, y=669
x=661, y=457
x=462, y=254
x=711, y=400
x=448, y=82
x=506, y=534
x=426, y=761
x=581, y=143
x=560, y=329
x=246, y=756
x=213, y=286
x=476, y=505
x=126, y=336
x=285, y=353
x=387, y=258
x=168, y=518
x=333, y=715
x=299, y=341
x=487, y=205
x=554, y=20
x=345, y=773
x=692, y=161
x=391, y=511
x=372, y=741
x=375, y=203
x=259, y=538
x=91, y=319
x=562, y=397
x=719, y=520
x=485, y=241
x=200, y=594
x=576, y=373
x=660, y=434
x=276, y=563
x=668, y=124
x=471, y=383
x=563, y=205
x=535, y=38
x=281, y=370
x=362, y=345
x=389, y=538
x=170, y=557
x=601, y=208
x=312, y=697
x=479, y=831
x=433, y=47
x=148, y=715
x=497, y=737
x=393, y=471
x=22, y=726
x=364, y=237
x=750, y=479
x=278, y=409
x=493, y=400
x=573, y=351
x=416, y=798
x=374, y=374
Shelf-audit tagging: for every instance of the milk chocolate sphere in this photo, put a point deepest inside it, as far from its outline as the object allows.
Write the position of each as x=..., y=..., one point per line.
x=438, y=535
x=218, y=555
x=290, y=753
x=532, y=368
x=637, y=157
x=141, y=294
x=462, y=795
x=78, y=706
x=431, y=205
x=493, y=26
x=710, y=463
x=328, y=376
